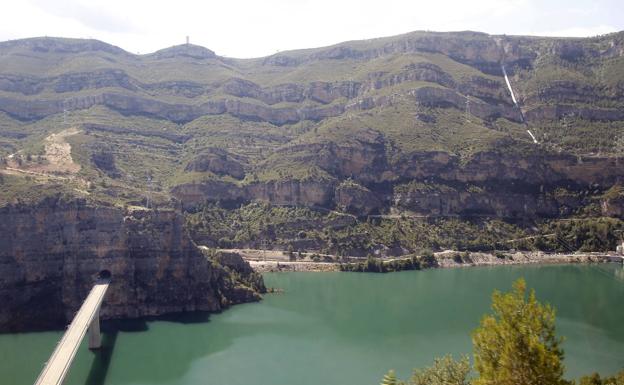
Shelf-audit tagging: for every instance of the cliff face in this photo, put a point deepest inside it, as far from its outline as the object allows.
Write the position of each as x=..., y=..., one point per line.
x=422, y=123
x=482, y=203
x=489, y=184
x=51, y=253
x=293, y=193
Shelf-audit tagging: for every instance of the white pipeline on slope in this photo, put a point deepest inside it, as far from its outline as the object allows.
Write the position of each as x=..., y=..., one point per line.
x=513, y=97
x=532, y=136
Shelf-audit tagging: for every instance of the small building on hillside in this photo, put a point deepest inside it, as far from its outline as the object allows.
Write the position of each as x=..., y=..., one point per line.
x=620, y=249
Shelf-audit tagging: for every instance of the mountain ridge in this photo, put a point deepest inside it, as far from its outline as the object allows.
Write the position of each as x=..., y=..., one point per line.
x=417, y=124
x=90, y=42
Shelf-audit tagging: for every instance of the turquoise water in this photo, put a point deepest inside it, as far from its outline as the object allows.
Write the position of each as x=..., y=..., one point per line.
x=339, y=328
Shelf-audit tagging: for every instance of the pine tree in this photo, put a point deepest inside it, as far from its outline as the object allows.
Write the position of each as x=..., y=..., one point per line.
x=444, y=371
x=517, y=344
x=389, y=378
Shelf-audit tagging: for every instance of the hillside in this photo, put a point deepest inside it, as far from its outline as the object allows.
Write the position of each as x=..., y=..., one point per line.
x=300, y=148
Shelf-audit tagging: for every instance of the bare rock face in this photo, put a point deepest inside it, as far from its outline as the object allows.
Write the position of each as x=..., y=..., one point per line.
x=51, y=253
x=479, y=184
x=73, y=82
x=356, y=199
x=497, y=167
x=192, y=195
x=217, y=161
x=292, y=192
x=288, y=192
x=612, y=205
x=464, y=202
x=364, y=157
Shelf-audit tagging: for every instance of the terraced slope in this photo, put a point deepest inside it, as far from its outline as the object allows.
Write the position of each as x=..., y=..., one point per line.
x=416, y=125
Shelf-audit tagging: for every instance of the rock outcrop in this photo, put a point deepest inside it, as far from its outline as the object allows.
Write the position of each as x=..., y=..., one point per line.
x=217, y=161
x=612, y=202
x=356, y=199
x=288, y=192
x=489, y=184
x=51, y=252
x=476, y=202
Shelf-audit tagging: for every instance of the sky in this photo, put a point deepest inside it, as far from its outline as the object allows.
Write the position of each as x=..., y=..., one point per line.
x=254, y=28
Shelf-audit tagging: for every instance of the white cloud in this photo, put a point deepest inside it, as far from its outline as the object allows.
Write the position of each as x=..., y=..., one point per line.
x=90, y=14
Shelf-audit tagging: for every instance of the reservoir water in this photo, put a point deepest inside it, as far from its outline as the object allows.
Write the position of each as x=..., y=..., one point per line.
x=339, y=328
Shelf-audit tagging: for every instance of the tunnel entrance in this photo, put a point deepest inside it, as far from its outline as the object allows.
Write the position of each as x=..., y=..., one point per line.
x=104, y=275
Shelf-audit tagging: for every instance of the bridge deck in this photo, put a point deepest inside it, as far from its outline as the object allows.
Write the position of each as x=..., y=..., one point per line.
x=57, y=367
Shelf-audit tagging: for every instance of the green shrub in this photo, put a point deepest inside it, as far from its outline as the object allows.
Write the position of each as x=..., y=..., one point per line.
x=224, y=243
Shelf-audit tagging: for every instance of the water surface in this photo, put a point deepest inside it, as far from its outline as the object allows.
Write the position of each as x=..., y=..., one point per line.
x=339, y=328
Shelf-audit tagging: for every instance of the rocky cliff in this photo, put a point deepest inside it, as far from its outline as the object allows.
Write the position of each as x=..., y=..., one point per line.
x=416, y=125
x=490, y=184
x=51, y=253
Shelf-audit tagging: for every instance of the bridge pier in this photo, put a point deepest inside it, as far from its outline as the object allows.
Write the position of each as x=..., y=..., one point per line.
x=95, y=337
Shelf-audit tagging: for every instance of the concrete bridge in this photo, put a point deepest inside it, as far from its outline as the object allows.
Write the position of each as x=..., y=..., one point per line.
x=87, y=318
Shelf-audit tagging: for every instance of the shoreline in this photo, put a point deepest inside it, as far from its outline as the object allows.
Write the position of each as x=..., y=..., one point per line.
x=445, y=259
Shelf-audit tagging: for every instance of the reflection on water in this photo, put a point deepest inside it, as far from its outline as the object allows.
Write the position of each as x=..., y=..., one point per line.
x=101, y=360
x=619, y=273
x=338, y=328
